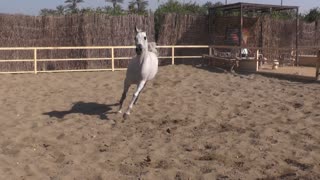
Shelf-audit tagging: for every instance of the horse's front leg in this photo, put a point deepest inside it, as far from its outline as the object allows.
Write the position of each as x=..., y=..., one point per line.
x=135, y=102
x=124, y=95
x=134, y=98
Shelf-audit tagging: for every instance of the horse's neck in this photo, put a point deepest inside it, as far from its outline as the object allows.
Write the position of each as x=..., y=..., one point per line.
x=143, y=55
x=146, y=49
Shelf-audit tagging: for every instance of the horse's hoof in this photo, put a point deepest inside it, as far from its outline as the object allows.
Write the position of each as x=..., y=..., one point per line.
x=119, y=112
x=112, y=123
x=125, y=116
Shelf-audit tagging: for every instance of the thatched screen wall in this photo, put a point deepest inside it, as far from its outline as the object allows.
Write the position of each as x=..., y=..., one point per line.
x=264, y=32
x=226, y=30
x=309, y=36
x=282, y=34
x=177, y=29
x=277, y=33
x=70, y=30
x=104, y=30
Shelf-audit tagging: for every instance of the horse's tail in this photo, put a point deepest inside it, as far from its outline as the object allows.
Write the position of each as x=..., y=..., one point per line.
x=152, y=48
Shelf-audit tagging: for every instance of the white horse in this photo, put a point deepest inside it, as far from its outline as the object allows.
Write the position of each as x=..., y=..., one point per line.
x=142, y=68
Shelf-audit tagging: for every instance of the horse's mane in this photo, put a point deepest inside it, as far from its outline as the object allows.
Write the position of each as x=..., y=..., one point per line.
x=152, y=48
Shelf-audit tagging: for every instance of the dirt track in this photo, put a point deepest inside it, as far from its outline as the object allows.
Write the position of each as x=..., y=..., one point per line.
x=188, y=123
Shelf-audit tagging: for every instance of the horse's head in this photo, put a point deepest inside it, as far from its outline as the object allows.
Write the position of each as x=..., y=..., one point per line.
x=141, y=41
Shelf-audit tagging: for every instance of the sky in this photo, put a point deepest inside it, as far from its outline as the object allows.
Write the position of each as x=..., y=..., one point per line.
x=33, y=7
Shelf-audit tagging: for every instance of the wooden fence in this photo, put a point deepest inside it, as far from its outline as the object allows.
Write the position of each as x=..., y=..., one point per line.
x=36, y=50
x=173, y=48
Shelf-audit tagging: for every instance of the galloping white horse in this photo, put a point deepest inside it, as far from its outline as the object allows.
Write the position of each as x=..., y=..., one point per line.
x=142, y=68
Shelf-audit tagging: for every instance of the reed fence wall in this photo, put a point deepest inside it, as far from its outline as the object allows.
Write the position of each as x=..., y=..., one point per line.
x=69, y=30
x=105, y=30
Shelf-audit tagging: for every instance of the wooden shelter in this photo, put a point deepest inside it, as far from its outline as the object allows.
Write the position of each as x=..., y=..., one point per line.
x=242, y=10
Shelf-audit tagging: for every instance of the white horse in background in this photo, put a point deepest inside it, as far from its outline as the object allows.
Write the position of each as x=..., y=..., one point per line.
x=142, y=68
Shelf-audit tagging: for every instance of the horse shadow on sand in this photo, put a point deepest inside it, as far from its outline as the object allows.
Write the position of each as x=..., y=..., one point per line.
x=85, y=108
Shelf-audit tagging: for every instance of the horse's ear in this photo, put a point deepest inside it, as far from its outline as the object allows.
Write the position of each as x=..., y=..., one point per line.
x=137, y=30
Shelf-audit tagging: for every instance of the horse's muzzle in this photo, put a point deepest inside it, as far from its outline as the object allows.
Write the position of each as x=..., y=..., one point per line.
x=139, y=49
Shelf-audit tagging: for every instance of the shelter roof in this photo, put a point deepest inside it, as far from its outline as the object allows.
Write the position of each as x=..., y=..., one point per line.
x=252, y=7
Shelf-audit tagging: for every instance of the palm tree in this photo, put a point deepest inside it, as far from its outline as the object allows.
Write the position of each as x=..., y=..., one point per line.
x=312, y=15
x=60, y=10
x=114, y=2
x=72, y=5
x=47, y=12
x=138, y=6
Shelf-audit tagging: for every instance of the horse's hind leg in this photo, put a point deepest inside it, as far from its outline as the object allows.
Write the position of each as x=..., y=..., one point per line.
x=124, y=94
x=135, y=96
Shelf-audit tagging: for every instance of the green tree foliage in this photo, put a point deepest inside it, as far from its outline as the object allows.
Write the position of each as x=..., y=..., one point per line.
x=191, y=7
x=47, y=12
x=104, y=10
x=87, y=10
x=312, y=15
x=60, y=10
x=288, y=14
x=72, y=5
x=175, y=6
x=115, y=3
x=138, y=6
x=117, y=9
x=205, y=7
x=134, y=7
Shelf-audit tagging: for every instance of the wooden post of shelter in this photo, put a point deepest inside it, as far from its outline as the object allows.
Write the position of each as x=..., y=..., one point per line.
x=257, y=60
x=297, y=37
x=210, y=51
x=241, y=27
x=318, y=66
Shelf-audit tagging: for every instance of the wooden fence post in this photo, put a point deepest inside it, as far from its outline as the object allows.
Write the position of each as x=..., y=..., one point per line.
x=172, y=55
x=35, y=60
x=318, y=66
x=112, y=58
x=257, y=60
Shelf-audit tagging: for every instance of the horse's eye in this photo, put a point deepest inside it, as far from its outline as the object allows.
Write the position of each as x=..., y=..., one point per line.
x=145, y=38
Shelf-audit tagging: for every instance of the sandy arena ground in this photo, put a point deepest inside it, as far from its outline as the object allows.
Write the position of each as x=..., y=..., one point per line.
x=189, y=123
x=309, y=72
